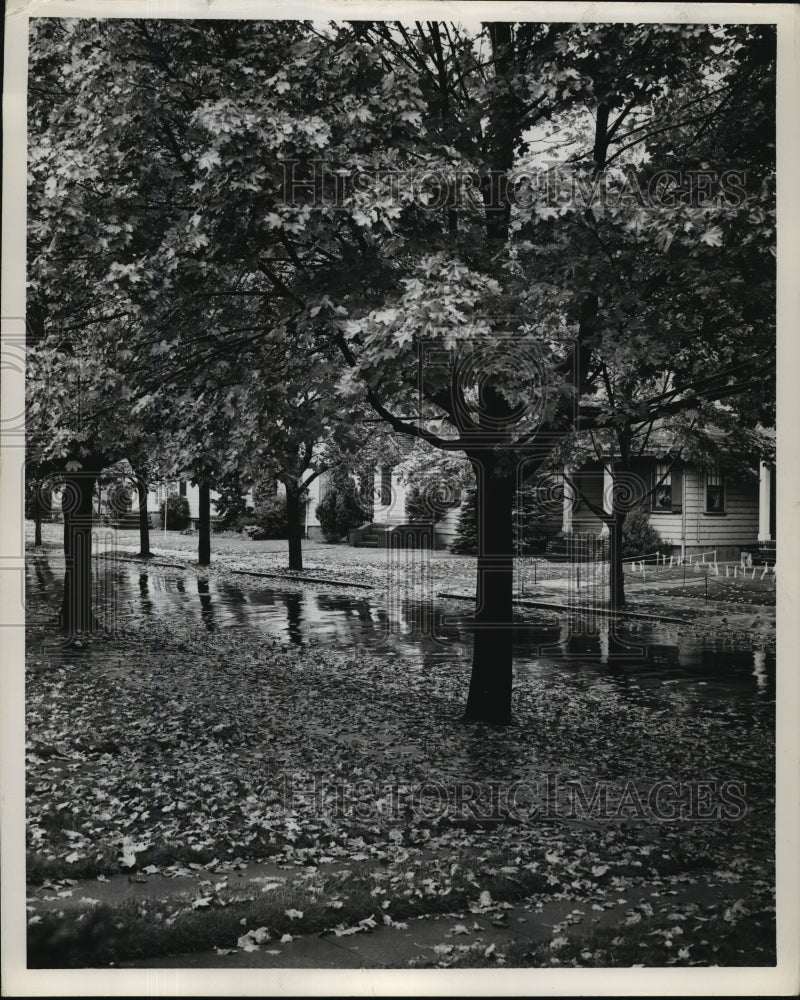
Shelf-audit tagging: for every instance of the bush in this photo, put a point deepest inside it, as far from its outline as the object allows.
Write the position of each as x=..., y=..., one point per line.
x=233, y=511
x=340, y=510
x=466, y=541
x=268, y=520
x=426, y=506
x=119, y=499
x=529, y=536
x=639, y=537
x=177, y=512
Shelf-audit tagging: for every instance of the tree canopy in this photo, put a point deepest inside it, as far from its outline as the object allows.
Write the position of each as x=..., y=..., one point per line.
x=490, y=238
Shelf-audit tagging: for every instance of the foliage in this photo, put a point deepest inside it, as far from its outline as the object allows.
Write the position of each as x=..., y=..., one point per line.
x=178, y=514
x=424, y=506
x=451, y=309
x=269, y=517
x=466, y=541
x=435, y=481
x=639, y=537
x=530, y=537
x=37, y=495
x=530, y=534
x=231, y=504
x=340, y=509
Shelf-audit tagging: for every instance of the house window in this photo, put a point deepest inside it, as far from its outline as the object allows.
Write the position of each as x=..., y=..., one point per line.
x=715, y=492
x=386, y=485
x=182, y=488
x=662, y=494
x=667, y=489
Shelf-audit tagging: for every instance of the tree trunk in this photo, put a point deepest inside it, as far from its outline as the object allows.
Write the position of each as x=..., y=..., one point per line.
x=489, y=697
x=502, y=132
x=616, y=584
x=295, y=526
x=77, y=504
x=144, y=518
x=37, y=517
x=204, y=525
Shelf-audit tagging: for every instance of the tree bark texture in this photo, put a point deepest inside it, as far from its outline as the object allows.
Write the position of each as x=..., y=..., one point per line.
x=76, y=609
x=204, y=524
x=489, y=698
x=295, y=526
x=144, y=518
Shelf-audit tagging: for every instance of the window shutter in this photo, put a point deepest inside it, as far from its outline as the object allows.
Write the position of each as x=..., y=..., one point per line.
x=677, y=490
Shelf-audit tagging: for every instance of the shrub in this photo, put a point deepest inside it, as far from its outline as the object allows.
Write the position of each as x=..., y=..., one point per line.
x=425, y=505
x=639, y=537
x=466, y=541
x=120, y=498
x=340, y=510
x=529, y=536
x=177, y=512
x=233, y=511
x=268, y=520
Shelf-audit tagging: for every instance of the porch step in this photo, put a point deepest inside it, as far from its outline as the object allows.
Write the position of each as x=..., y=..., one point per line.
x=126, y=521
x=762, y=552
x=372, y=536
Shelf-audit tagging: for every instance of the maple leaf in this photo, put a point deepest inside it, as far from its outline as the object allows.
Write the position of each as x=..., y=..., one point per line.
x=209, y=160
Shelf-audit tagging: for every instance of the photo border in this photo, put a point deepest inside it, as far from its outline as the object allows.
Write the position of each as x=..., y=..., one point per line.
x=17, y=980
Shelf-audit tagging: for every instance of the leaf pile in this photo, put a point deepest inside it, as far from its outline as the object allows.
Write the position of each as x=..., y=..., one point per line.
x=167, y=749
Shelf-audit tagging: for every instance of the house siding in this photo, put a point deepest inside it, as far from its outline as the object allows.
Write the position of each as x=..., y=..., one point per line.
x=726, y=532
x=447, y=529
x=393, y=512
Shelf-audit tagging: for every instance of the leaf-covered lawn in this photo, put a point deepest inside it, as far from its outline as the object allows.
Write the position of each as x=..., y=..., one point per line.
x=157, y=750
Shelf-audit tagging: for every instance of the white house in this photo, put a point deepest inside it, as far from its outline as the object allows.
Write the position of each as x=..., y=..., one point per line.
x=694, y=509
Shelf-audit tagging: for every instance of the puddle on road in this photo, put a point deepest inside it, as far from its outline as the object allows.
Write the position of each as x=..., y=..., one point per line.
x=647, y=654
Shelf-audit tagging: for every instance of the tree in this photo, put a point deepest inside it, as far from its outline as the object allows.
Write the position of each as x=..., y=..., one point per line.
x=467, y=318
x=537, y=73
x=294, y=432
x=70, y=446
x=38, y=499
x=684, y=327
x=231, y=503
x=435, y=481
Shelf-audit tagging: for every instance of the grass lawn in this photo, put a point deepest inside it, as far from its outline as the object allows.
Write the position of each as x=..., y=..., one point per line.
x=172, y=752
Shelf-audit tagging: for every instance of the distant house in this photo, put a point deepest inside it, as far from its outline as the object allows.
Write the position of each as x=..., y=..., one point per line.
x=390, y=493
x=694, y=509
x=127, y=512
x=184, y=488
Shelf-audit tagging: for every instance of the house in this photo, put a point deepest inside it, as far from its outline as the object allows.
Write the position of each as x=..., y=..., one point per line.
x=118, y=501
x=390, y=493
x=694, y=509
